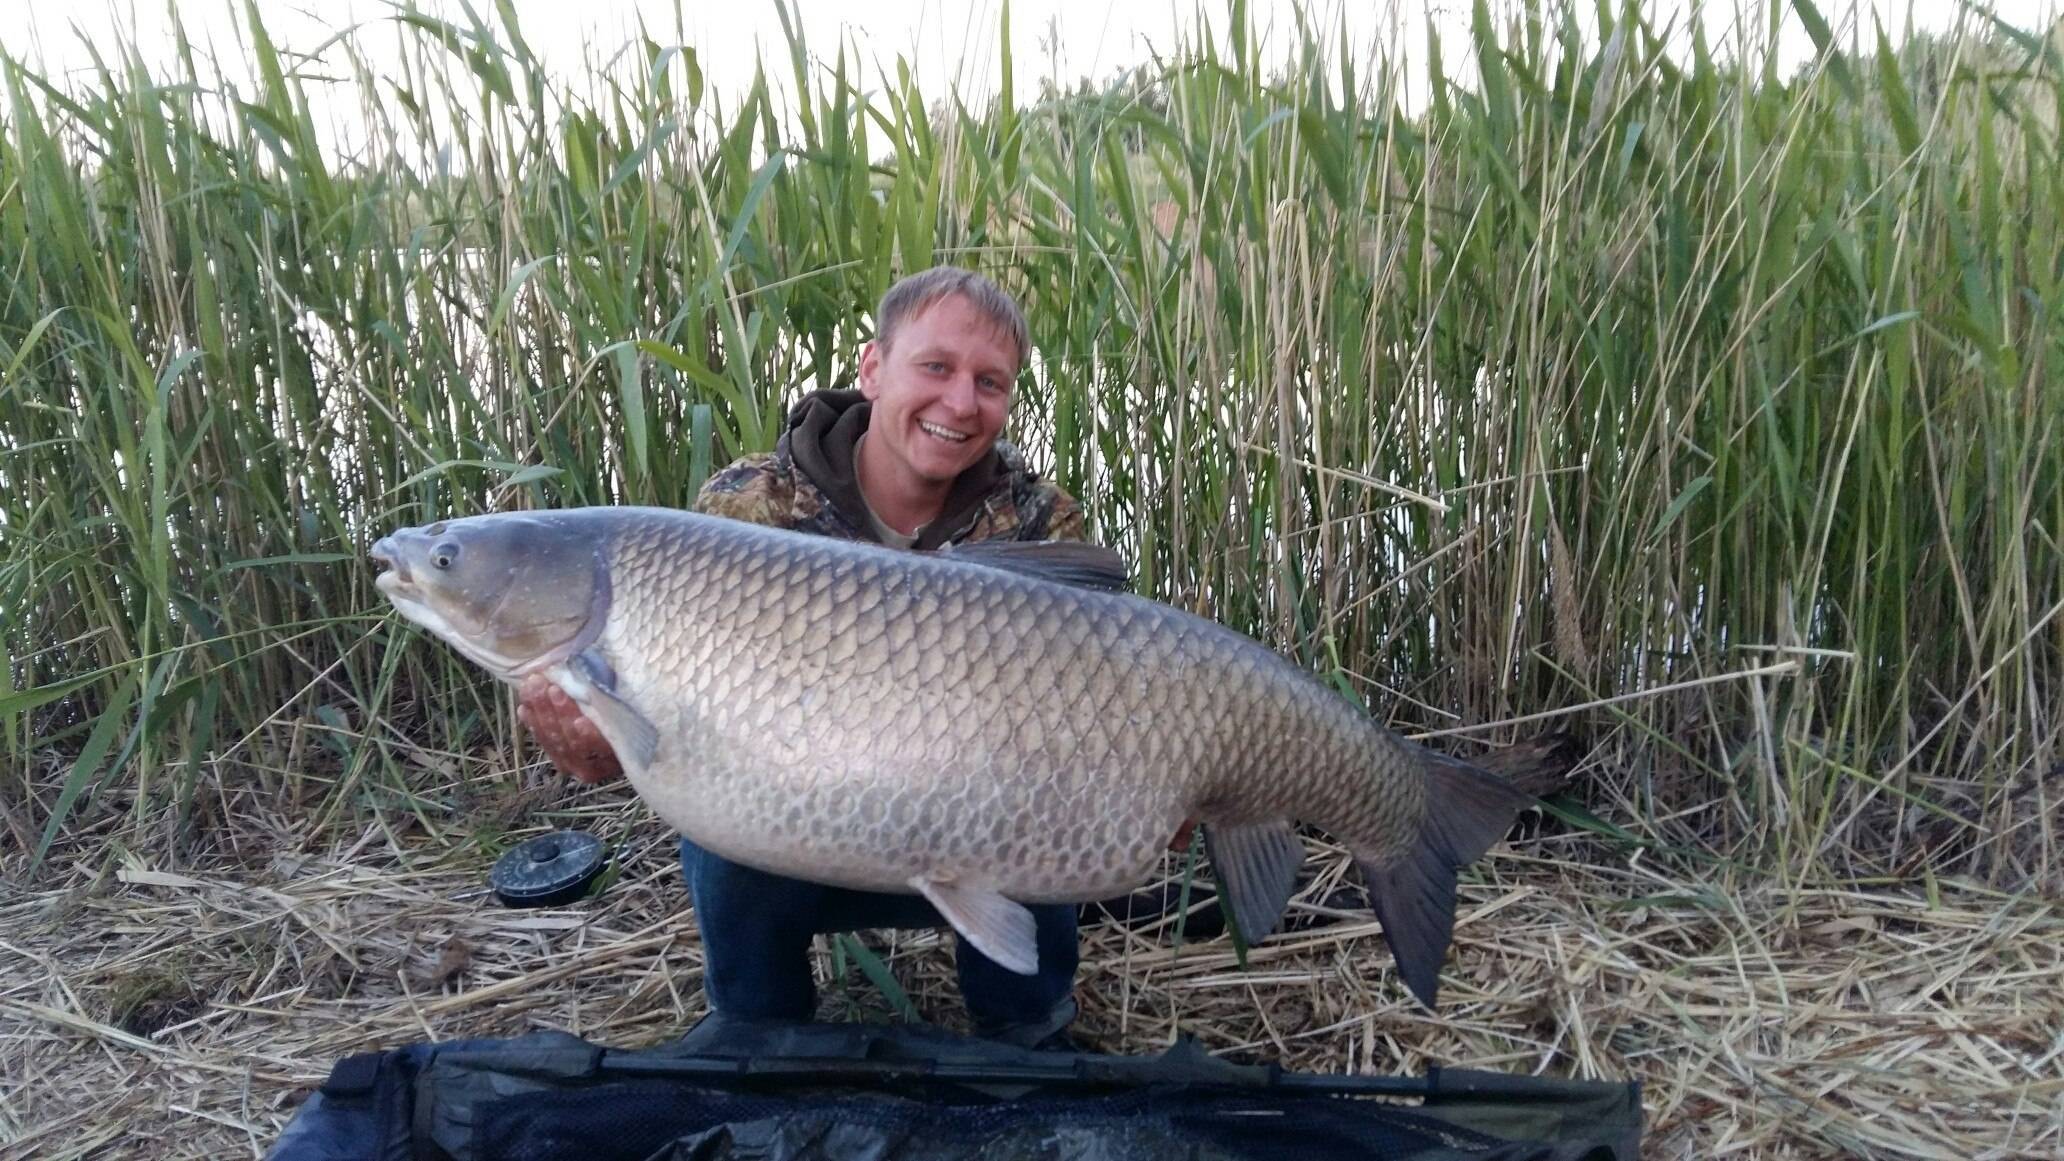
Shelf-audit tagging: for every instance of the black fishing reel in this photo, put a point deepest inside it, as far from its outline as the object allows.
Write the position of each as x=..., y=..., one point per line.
x=549, y=870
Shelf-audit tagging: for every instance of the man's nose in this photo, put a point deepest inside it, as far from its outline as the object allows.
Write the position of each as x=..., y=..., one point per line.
x=960, y=394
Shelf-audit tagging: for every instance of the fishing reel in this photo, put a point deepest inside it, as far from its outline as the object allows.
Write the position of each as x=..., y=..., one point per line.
x=549, y=870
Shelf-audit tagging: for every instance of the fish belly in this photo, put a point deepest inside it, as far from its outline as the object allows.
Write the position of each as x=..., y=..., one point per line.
x=876, y=817
x=850, y=715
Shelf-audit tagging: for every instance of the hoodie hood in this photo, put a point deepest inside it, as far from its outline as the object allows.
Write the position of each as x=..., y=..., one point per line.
x=824, y=429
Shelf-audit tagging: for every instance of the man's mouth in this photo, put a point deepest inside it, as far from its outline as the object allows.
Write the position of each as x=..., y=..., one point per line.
x=944, y=433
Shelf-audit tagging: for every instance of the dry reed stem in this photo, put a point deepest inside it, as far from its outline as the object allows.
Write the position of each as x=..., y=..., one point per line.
x=150, y=1011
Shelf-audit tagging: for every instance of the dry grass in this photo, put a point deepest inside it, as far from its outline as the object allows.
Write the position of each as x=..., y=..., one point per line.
x=185, y=1013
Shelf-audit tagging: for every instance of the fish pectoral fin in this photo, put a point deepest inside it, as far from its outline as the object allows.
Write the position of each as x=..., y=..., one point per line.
x=999, y=928
x=634, y=738
x=1257, y=864
x=1070, y=562
x=594, y=669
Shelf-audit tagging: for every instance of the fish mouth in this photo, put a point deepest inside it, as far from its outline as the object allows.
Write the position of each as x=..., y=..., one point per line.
x=394, y=573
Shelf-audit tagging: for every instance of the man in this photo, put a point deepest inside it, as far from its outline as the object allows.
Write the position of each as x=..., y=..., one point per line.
x=912, y=460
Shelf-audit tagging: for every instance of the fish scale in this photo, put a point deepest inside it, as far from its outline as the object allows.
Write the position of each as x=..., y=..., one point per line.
x=960, y=724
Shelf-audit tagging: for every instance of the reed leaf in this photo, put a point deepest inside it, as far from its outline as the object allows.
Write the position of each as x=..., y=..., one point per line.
x=1611, y=368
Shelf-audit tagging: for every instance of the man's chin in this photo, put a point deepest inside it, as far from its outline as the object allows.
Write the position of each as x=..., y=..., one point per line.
x=945, y=469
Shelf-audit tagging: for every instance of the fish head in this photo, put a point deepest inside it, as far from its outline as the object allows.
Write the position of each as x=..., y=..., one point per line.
x=515, y=592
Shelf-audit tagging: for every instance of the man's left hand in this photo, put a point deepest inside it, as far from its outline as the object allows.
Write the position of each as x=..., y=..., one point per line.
x=564, y=733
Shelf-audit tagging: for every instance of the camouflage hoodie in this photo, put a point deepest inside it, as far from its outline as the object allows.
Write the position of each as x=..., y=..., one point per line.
x=807, y=484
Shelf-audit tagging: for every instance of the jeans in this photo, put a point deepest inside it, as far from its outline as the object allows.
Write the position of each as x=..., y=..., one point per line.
x=756, y=930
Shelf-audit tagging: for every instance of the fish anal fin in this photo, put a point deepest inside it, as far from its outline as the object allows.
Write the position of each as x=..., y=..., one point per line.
x=1257, y=864
x=1071, y=562
x=999, y=928
x=1468, y=810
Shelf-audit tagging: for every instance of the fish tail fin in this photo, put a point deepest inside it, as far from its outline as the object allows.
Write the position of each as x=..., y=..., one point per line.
x=1413, y=893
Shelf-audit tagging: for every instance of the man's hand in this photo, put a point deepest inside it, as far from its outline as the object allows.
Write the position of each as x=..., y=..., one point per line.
x=565, y=734
x=1181, y=841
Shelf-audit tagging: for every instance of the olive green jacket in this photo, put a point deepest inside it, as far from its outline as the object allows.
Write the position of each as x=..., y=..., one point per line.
x=807, y=484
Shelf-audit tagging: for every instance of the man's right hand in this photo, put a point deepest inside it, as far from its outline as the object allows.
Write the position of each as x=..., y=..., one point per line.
x=564, y=733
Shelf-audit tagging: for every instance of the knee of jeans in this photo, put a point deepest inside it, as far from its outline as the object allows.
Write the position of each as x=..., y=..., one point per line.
x=1056, y=924
x=742, y=894
x=692, y=857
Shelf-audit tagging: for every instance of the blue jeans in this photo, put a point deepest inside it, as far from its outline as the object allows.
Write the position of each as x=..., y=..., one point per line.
x=756, y=930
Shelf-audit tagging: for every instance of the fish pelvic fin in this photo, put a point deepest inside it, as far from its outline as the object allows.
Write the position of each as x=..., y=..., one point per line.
x=1256, y=864
x=998, y=928
x=1467, y=810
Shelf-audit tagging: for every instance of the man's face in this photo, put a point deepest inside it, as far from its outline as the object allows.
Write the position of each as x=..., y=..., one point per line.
x=940, y=391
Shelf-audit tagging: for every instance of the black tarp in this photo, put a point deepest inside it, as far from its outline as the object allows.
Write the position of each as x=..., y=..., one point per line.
x=902, y=1093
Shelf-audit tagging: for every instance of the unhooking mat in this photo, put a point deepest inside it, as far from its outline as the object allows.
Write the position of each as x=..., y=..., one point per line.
x=907, y=1093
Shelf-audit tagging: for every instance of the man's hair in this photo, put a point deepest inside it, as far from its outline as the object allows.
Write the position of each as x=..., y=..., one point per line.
x=915, y=294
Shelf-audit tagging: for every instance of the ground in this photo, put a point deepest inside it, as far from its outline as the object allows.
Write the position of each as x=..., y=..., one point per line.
x=160, y=1010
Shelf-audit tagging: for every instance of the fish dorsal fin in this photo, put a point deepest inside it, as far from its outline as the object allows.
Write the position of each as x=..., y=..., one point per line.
x=1069, y=562
x=1000, y=929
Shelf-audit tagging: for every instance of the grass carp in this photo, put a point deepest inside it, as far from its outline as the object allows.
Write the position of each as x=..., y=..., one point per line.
x=989, y=725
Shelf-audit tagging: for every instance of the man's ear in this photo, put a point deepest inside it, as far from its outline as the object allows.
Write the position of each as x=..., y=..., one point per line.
x=870, y=371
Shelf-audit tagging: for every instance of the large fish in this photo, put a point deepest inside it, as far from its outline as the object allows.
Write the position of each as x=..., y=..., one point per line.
x=988, y=726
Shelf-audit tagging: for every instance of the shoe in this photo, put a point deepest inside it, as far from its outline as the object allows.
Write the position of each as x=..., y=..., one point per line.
x=1048, y=1035
x=1059, y=1042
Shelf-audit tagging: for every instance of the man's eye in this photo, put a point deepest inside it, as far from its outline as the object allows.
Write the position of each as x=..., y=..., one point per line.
x=935, y=367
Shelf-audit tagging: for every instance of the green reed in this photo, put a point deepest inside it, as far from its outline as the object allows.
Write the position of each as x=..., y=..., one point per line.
x=1616, y=368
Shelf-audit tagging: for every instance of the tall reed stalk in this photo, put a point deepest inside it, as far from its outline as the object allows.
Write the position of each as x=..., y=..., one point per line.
x=1617, y=373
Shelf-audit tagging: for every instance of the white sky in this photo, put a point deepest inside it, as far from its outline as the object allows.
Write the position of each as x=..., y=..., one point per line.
x=942, y=39
x=946, y=42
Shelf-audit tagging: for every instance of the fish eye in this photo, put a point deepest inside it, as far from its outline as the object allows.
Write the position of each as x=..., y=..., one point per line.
x=444, y=555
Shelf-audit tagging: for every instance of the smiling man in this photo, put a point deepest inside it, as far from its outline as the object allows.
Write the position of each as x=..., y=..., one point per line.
x=940, y=386
x=913, y=460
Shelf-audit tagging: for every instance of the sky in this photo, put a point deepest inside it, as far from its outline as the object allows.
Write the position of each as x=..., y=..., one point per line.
x=942, y=39
x=945, y=42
